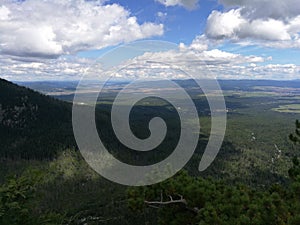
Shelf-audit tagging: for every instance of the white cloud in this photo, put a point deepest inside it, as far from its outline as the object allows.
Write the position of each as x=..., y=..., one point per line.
x=205, y=63
x=70, y=68
x=273, y=23
x=188, y=4
x=179, y=64
x=161, y=16
x=200, y=43
x=232, y=25
x=4, y=13
x=276, y=9
x=188, y=58
x=224, y=25
x=33, y=30
x=48, y=29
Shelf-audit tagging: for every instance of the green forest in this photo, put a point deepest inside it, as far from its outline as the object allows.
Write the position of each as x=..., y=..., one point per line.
x=45, y=180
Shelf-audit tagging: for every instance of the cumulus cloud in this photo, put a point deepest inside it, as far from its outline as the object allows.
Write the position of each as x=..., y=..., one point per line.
x=276, y=9
x=232, y=25
x=35, y=36
x=200, y=63
x=63, y=68
x=199, y=44
x=186, y=61
x=273, y=23
x=195, y=58
x=188, y=4
x=224, y=25
x=254, y=71
x=48, y=29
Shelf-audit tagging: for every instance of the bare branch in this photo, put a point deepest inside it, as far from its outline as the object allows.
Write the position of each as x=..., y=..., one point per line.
x=157, y=204
x=172, y=201
x=166, y=203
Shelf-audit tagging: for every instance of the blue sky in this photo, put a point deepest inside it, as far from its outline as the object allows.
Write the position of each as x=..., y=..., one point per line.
x=181, y=25
x=241, y=39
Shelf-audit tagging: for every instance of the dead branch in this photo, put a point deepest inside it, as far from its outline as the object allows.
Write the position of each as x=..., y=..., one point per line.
x=157, y=204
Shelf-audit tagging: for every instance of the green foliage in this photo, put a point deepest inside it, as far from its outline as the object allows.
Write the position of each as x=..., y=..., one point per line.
x=16, y=197
x=294, y=172
x=208, y=201
x=295, y=138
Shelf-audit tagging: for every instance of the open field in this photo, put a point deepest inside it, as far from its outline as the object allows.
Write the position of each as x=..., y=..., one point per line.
x=292, y=108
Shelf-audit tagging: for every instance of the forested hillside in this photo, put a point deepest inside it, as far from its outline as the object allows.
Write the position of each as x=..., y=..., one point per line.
x=32, y=125
x=64, y=190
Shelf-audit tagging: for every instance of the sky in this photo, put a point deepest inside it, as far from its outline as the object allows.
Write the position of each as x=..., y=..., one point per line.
x=238, y=39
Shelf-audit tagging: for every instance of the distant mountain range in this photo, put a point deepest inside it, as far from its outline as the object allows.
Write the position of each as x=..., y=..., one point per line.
x=247, y=85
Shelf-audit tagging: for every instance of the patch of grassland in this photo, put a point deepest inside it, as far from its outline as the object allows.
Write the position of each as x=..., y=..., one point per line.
x=292, y=108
